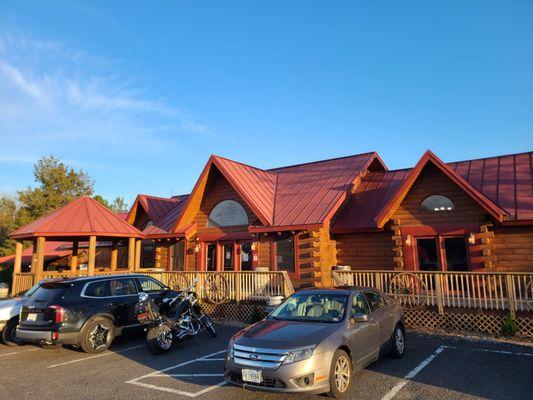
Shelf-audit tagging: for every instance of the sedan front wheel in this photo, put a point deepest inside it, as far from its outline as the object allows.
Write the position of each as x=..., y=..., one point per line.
x=340, y=375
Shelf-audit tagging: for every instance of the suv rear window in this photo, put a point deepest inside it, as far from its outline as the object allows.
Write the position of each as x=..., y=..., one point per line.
x=47, y=292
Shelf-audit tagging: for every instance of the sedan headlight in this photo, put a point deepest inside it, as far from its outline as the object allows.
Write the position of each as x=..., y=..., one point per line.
x=298, y=355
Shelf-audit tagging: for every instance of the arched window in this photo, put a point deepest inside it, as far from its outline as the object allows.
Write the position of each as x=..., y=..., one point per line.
x=437, y=203
x=227, y=213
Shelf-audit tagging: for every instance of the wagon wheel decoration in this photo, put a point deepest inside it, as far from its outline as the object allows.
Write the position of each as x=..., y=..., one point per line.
x=178, y=281
x=216, y=288
x=408, y=290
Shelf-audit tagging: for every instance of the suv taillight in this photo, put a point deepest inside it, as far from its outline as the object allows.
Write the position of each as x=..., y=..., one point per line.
x=59, y=313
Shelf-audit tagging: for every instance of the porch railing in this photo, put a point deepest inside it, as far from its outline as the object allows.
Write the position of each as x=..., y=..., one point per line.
x=221, y=286
x=476, y=290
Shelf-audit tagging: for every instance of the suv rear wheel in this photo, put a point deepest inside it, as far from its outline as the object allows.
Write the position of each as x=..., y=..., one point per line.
x=97, y=335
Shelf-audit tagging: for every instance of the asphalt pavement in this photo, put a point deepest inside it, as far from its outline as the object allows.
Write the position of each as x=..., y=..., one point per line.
x=434, y=367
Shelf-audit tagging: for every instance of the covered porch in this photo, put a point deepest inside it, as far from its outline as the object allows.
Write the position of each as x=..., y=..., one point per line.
x=83, y=223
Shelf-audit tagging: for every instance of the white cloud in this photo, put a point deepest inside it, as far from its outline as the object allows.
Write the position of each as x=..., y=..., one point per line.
x=51, y=93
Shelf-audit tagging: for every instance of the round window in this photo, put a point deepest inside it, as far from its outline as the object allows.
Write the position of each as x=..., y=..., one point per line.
x=436, y=202
x=227, y=213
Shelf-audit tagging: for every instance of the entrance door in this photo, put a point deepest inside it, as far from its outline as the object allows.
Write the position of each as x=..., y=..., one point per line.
x=246, y=256
x=441, y=253
x=456, y=253
x=227, y=254
x=427, y=254
x=211, y=257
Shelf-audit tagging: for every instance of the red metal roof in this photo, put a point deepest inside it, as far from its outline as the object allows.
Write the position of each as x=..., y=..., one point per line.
x=309, y=193
x=52, y=250
x=505, y=181
x=82, y=217
x=299, y=195
x=162, y=222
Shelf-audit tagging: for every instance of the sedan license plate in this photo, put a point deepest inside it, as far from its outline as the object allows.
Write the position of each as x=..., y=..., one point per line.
x=252, y=375
x=31, y=317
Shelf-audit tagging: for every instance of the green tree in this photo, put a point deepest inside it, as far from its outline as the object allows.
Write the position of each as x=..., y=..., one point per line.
x=58, y=184
x=8, y=217
x=118, y=205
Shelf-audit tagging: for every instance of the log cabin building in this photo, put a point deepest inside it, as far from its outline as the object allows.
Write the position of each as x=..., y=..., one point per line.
x=474, y=215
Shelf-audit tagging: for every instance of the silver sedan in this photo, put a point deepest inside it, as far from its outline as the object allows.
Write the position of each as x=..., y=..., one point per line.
x=315, y=340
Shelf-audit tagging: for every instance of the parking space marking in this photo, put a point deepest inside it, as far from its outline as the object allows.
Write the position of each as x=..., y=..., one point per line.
x=396, y=388
x=18, y=352
x=96, y=356
x=161, y=373
x=506, y=352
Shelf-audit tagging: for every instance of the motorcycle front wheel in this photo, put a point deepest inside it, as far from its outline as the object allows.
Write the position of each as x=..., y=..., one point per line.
x=208, y=325
x=159, y=339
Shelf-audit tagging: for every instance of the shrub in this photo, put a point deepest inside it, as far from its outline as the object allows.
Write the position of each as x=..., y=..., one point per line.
x=509, y=326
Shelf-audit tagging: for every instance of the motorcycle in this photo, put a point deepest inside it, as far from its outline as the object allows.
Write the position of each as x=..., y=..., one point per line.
x=172, y=319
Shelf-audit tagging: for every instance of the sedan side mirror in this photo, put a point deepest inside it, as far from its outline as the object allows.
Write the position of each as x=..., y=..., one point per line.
x=358, y=318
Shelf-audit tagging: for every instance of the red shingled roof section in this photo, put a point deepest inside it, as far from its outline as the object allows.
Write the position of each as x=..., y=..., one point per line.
x=52, y=251
x=371, y=195
x=166, y=221
x=307, y=193
x=506, y=180
x=256, y=186
x=82, y=217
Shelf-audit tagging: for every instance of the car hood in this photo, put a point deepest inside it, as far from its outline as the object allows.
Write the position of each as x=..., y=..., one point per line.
x=286, y=334
x=10, y=307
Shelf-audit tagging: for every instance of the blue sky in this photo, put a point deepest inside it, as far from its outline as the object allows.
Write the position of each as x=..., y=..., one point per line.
x=139, y=94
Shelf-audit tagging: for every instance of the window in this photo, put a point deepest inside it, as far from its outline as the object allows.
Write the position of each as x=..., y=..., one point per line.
x=359, y=305
x=97, y=289
x=122, y=287
x=437, y=203
x=375, y=300
x=456, y=254
x=228, y=256
x=428, y=257
x=211, y=257
x=147, y=256
x=285, y=255
x=150, y=286
x=227, y=213
x=178, y=256
x=312, y=307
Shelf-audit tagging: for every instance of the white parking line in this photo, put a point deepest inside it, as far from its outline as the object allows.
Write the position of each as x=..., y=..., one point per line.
x=96, y=356
x=396, y=388
x=512, y=353
x=18, y=352
x=161, y=373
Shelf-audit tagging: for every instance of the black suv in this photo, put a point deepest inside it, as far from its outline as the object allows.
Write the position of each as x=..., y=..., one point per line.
x=87, y=312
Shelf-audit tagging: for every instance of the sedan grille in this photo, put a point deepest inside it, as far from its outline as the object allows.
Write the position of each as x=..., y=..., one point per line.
x=258, y=357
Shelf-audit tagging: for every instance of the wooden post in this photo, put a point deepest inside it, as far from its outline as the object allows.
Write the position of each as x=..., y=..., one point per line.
x=131, y=254
x=438, y=288
x=39, y=258
x=74, y=257
x=511, y=300
x=114, y=256
x=238, y=284
x=137, y=254
x=17, y=268
x=92, y=256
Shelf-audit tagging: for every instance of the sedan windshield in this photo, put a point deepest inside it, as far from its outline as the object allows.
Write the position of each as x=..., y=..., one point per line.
x=312, y=307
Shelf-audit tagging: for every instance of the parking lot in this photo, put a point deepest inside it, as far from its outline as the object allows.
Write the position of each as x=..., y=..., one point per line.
x=434, y=367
